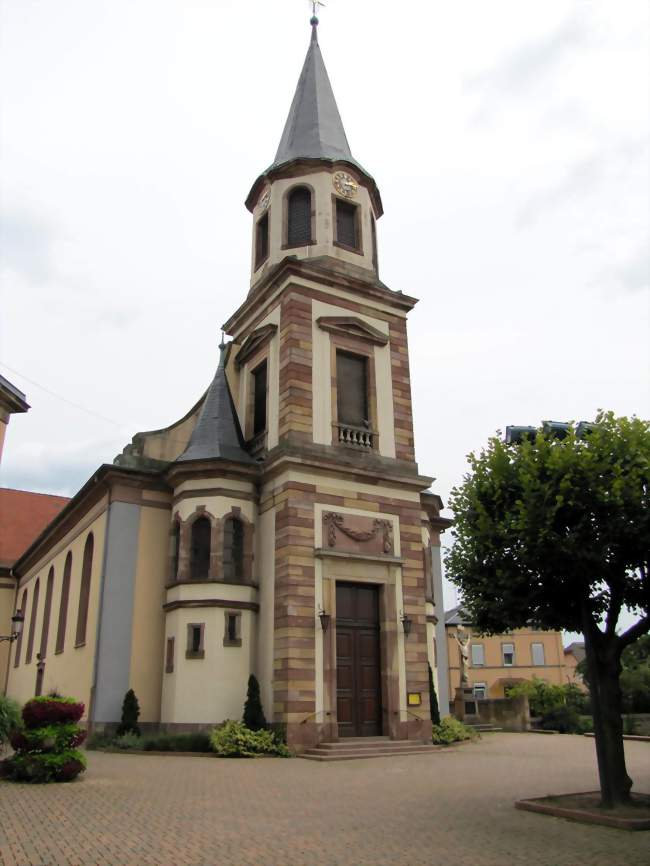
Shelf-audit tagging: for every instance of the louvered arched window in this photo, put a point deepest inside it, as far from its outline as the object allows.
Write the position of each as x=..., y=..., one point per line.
x=299, y=217
x=32, y=622
x=47, y=610
x=19, y=641
x=233, y=549
x=175, y=550
x=84, y=592
x=200, y=549
x=63, y=604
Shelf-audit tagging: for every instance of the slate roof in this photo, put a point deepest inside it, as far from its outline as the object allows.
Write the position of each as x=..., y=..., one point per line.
x=217, y=434
x=577, y=649
x=23, y=516
x=456, y=616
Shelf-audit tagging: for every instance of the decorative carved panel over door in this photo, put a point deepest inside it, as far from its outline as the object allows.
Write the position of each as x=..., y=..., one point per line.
x=358, y=684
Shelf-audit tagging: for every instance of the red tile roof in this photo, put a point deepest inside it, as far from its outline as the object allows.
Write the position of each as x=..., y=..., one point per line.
x=23, y=516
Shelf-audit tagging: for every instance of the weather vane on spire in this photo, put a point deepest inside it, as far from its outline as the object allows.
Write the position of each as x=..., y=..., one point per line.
x=314, y=9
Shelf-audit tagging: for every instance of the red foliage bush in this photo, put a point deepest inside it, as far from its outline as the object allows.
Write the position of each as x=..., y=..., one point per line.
x=44, y=711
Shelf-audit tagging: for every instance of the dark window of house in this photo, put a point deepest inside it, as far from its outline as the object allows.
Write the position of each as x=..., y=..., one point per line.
x=232, y=626
x=63, y=605
x=259, y=399
x=233, y=549
x=19, y=640
x=346, y=224
x=375, y=259
x=45, y=628
x=169, y=656
x=84, y=592
x=195, y=640
x=262, y=240
x=200, y=549
x=299, y=217
x=176, y=548
x=32, y=623
x=352, y=389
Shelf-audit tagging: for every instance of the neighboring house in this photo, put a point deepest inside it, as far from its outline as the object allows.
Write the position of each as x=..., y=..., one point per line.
x=573, y=655
x=282, y=526
x=23, y=516
x=502, y=660
x=12, y=401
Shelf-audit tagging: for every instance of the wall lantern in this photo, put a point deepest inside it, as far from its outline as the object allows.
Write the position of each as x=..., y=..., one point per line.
x=17, y=621
x=407, y=623
x=324, y=619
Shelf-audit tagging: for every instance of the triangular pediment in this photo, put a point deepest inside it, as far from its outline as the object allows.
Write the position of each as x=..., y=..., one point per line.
x=253, y=342
x=351, y=326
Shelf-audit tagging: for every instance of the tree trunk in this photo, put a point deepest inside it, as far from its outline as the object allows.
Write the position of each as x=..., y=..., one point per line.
x=603, y=665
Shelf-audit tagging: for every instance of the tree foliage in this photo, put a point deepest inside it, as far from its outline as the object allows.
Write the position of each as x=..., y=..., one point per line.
x=433, y=700
x=130, y=715
x=254, y=717
x=555, y=534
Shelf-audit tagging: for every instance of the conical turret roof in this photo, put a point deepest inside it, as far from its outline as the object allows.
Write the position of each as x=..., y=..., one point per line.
x=217, y=435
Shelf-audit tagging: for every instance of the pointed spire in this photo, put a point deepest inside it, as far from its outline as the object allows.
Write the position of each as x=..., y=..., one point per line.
x=217, y=435
x=314, y=129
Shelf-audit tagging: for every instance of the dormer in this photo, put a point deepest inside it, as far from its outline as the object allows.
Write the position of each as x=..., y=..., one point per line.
x=315, y=200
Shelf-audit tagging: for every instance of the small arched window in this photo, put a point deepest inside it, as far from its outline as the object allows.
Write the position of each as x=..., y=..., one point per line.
x=200, y=549
x=19, y=640
x=299, y=217
x=84, y=592
x=45, y=628
x=233, y=549
x=32, y=622
x=175, y=550
x=63, y=604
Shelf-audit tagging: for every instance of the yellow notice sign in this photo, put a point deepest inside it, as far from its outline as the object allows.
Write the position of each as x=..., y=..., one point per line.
x=414, y=699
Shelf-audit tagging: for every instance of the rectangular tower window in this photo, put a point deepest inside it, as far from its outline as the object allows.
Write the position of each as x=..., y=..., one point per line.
x=169, y=656
x=262, y=240
x=352, y=389
x=259, y=399
x=195, y=632
x=232, y=631
x=537, y=650
x=347, y=224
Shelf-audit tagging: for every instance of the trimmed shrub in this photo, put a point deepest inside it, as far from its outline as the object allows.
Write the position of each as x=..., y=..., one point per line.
x=10, y=718
x=130, y=715
x=433, y=700
x=450, y=730
x=254, y=718
x=198, y=741
x=45, y=710
x=565, y=720
x=235, y=740
x=45, y=749
x=126, y=741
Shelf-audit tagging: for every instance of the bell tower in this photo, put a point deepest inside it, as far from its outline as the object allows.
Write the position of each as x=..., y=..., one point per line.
x=315, y=200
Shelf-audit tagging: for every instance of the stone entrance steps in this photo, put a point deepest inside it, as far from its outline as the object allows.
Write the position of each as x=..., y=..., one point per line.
x=484, y=729
x=353, y=748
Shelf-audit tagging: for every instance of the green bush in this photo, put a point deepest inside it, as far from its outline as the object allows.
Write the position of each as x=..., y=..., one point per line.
x=254, y=717
x=235, y=740
x=127, y=741
x=194, y=742
x=99, y=740
x=565, y=720
x=450, y=730
x=130, y=715
x=10, y=718
x=433, y=700
x=542, y=696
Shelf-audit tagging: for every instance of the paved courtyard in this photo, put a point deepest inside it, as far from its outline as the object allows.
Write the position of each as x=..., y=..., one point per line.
x=453, y=808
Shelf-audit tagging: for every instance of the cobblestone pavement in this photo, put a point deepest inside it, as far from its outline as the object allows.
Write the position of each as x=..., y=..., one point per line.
x=453, y=807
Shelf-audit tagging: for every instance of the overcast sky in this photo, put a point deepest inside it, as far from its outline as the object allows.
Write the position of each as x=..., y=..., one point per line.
x=510, y=144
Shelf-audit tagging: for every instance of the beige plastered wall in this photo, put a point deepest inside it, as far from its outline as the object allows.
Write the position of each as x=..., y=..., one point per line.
x=212, y=688
x=322, y=379
x=323, y=189
x=71, y=671
x=7, y=607
x=169, y=443
x=494, y=672
x=147, y=639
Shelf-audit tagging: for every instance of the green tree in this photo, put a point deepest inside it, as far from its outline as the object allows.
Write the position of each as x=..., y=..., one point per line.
x=130, y=715
x=635, y=676
x=433, y=700
x=555, y=534
x=254, y=718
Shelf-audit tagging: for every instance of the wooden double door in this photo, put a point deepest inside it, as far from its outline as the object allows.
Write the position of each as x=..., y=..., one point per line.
x=358, y=666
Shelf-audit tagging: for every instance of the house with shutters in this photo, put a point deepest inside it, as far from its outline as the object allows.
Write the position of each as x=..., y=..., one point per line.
x=282, y=527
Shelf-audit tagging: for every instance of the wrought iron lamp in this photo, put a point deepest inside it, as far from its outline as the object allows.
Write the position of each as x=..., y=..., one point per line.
x=324, y=619
x=17, y=621
x=407, y=623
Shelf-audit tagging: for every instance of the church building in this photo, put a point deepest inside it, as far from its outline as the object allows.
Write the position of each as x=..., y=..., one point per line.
x=282, y=526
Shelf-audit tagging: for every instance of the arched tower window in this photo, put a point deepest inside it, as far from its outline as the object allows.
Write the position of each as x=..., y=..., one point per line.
x=233, y=549
x=63, y=604
x=299, y=217
x=19, y=641
x=175, y=550
x=262, y=240
x=45, y=628
x=84, y=592
x=32, y=622
x=200, y=549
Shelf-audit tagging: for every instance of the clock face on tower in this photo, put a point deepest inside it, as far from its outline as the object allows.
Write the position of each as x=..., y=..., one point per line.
x=345, y=184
